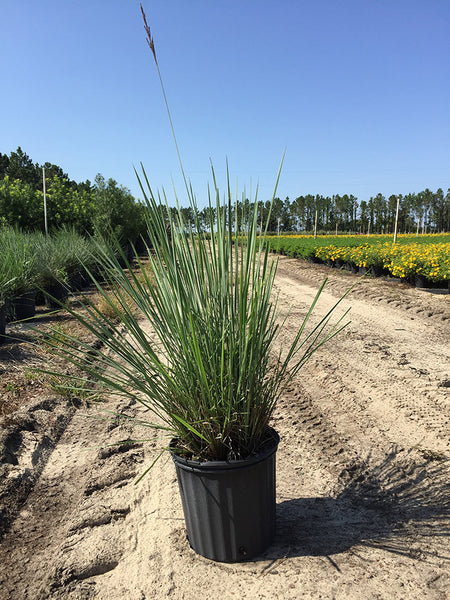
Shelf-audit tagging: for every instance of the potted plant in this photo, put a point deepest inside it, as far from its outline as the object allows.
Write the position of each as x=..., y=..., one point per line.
x=18, y=252
x=193, y=343
x=54, y=258
x=210, y=379
x=73, y=250
x=6, y=280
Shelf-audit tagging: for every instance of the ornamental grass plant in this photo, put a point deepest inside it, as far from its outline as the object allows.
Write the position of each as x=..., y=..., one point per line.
x=19, y=265
x=194, y=342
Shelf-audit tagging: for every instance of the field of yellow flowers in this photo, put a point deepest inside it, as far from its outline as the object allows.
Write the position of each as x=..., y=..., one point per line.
x=426, y=255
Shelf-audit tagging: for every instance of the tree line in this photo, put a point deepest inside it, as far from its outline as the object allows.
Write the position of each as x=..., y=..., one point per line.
x=427, y=212
x=105, y=206
x=89, y=208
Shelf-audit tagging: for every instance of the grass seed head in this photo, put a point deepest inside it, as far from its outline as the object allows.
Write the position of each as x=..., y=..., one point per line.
x=149, y=35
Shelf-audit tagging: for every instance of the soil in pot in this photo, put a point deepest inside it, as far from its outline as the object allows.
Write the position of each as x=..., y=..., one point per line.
x=229, y=507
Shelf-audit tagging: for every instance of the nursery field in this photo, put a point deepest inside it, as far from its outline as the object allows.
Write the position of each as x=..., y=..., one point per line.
x=424, y=257
x=363, y=496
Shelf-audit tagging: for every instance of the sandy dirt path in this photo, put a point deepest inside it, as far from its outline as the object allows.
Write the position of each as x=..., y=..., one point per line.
x=362, y=476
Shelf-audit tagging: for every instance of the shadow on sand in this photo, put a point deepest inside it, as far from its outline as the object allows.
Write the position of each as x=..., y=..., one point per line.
x=395, y=505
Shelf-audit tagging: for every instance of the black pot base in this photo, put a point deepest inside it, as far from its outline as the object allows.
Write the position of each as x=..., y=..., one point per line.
x=229, y=507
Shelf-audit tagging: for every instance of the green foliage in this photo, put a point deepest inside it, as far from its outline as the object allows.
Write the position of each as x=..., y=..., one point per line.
x=7, y=279
x=203, y=364
x=20, y=204
x=20, y=166
x=19, y=259
x=61, y=255
x=4, y=163
x=66, y=206
x=104, y=208
x=109, y=208
x=115, y=212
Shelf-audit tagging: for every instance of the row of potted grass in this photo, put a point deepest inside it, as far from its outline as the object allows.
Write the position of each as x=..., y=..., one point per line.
x=33, y=264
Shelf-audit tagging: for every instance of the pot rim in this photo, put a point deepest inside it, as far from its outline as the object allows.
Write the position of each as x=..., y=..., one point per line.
x=270, y=446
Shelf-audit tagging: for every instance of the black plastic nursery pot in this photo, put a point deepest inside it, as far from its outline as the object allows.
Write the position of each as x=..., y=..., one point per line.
x=76, y=281
x=229, y=506
x=377, y=270
x=55, y=294
x=421, y=281
x=315, y=260
x=24, y=306
x=352, y=267
x=40, y=298
x=2, y=324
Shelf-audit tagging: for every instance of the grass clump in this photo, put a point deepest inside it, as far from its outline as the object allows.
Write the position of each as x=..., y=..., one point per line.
x=193, y=342
x=198, y=353
x=19, y=263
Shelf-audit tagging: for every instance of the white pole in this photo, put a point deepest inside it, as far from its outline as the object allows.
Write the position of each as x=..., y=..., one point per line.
x=45, y=201
x=396, y=219
x=315, y=226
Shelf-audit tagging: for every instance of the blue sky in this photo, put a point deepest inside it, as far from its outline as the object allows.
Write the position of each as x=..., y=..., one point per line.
x=356, y=91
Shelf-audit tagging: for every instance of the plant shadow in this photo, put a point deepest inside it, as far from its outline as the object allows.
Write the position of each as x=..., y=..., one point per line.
x=386, y=505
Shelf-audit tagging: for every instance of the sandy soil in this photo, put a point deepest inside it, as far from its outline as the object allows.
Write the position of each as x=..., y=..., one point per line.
x=362, y=475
